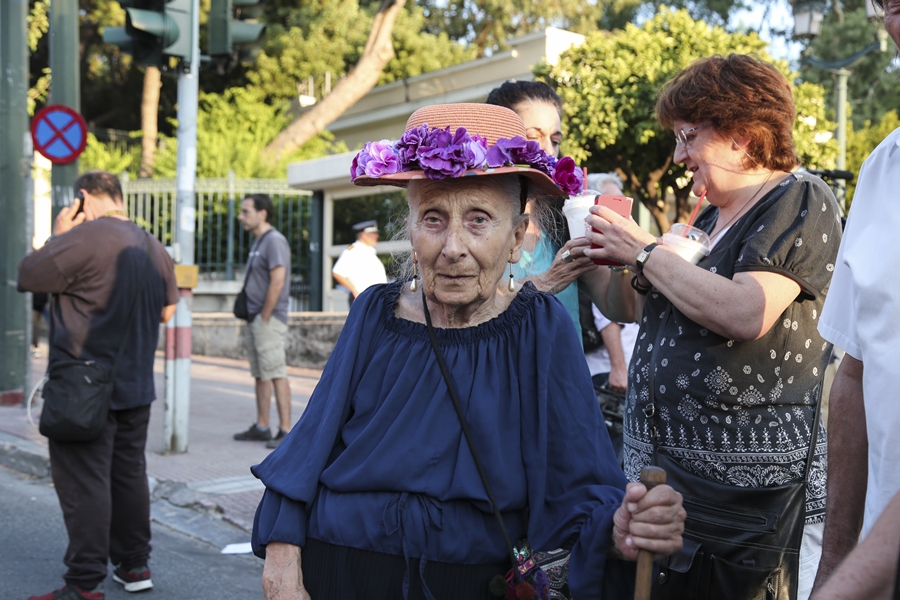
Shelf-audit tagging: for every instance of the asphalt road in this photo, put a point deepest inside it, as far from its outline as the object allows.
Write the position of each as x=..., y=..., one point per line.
x=33, y=541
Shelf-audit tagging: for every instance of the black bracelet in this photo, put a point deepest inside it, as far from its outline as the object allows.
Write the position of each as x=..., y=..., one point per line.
x=638, y=287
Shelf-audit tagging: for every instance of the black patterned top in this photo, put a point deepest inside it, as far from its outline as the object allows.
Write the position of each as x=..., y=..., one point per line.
x=741, y=412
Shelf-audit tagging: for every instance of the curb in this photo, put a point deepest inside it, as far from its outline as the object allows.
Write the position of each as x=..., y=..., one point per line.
x=173, y=505
x=24, y=456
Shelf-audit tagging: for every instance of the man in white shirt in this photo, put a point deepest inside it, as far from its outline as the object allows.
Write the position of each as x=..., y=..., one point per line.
x=358, y=267
x=861, y=316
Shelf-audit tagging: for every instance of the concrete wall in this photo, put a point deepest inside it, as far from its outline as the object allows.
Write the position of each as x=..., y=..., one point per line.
x=310, y=340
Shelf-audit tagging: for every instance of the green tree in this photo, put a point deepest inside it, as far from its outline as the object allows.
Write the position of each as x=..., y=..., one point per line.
x=220, y=145
x=609, y=85
x=861, y=142
x=874, y=85
x=485, y=25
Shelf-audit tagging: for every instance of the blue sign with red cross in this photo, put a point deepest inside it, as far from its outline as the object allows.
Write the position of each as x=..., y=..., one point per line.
x=59, y=133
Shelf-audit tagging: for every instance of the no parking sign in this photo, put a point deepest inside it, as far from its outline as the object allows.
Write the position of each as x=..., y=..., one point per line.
x=59, y=133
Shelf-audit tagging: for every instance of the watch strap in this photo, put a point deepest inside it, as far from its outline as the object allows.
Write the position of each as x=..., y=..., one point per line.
x=643, y=256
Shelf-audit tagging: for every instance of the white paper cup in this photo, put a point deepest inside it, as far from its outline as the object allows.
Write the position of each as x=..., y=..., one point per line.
x=576, y=209
x=690, y=243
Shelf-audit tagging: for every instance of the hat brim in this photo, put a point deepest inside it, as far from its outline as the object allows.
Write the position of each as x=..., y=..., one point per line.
x=543, y=184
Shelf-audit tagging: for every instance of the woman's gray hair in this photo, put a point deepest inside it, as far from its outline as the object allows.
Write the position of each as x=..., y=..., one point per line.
x=508, y=184
x=596, y=181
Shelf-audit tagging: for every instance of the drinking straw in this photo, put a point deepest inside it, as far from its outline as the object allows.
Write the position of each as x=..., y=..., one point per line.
x=584, y=169
x=694, y=214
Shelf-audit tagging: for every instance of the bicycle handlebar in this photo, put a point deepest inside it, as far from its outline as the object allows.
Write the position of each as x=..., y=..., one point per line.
x=833, y=174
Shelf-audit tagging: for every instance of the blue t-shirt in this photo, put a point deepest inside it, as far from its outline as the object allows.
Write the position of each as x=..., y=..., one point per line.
x=378, y=461
x=539, y=261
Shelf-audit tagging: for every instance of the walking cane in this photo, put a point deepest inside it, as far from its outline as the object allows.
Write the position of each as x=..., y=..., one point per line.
x=650, y=477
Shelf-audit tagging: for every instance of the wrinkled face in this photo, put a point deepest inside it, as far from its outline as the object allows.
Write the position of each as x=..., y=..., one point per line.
x=250, y=217
x=462, y=231
x=712, y=160
x=542, y=124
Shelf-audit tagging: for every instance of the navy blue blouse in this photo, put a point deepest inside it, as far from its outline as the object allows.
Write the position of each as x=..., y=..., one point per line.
x=378, y=460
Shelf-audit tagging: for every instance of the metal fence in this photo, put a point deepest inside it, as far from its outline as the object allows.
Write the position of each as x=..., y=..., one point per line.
x=221, y=244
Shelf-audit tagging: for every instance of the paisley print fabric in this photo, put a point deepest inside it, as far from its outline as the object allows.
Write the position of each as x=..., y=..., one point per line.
x=741, y=413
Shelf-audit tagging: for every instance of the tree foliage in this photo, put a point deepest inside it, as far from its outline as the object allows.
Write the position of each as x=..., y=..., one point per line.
x=222, y=146
x=609, y=86
x=487, y=24
x=861, y=142
x=874, y=84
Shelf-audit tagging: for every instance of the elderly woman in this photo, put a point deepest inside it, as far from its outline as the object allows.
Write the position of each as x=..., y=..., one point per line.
x=725, y=381
x=379, y=482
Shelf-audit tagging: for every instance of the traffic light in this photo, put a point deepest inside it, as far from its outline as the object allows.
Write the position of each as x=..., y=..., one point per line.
x=230, y=28
x=154, y=30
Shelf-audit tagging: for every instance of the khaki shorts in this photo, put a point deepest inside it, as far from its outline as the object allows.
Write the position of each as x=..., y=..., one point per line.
x=265, y=348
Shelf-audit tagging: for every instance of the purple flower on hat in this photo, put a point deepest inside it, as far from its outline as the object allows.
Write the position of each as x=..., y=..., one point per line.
x=376, y=159
x=408, y=144
x=501, y=153
x=442, y=154
x=519, y=151
x=568, y=176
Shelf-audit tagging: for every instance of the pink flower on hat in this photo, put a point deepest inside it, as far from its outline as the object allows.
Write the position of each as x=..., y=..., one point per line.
x=568, y=176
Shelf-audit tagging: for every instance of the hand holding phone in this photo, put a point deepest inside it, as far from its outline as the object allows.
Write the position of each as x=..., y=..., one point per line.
x=71, y=215
x=79, y=196
x=621, y=205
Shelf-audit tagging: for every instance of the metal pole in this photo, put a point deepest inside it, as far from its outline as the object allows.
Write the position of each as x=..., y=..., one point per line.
x=178, y=337
x=842, y=75
x=316, y=246
x=28, y=184
x=65, y=88
x=229, y=259
x=13, y=168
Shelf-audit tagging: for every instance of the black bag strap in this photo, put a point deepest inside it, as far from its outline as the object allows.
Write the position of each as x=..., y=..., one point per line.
x=465, y=428
x=134, y=303
x=254, y=245
x=897, y=582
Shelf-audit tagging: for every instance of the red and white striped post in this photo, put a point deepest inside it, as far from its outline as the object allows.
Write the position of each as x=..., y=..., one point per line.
x=178, y=373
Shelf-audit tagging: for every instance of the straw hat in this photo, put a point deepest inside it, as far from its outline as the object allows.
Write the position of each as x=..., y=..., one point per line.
x=457, y=140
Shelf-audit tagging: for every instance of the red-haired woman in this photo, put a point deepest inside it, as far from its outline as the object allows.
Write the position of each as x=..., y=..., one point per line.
x=725, y=380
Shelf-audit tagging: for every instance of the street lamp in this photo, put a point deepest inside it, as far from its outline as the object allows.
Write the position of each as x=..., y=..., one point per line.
x=808, y=17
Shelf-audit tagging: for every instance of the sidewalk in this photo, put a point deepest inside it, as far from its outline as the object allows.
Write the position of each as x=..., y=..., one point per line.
x=214, y=475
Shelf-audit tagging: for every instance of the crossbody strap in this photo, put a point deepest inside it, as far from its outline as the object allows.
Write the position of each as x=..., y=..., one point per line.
x=465, y=427
x=134, y=304
x=254, y=245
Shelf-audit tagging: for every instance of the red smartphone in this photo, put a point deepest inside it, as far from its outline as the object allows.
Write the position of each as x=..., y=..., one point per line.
x=621, y=205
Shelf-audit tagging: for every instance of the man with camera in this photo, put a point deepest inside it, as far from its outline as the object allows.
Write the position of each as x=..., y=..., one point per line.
x=111, y=284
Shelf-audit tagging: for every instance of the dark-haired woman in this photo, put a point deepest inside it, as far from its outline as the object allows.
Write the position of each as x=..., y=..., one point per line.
x=728, y=369
x=550, y=260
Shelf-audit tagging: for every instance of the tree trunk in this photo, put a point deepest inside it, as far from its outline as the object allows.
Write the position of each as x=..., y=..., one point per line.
x=378, y=52
x=149, y=120
x=652, y=194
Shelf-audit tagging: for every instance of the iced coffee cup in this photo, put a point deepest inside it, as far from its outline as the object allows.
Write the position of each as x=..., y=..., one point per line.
x=690, y=243
x=576, y=209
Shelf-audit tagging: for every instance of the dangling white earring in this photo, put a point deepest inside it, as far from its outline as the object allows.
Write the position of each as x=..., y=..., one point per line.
x=512, y=282
x=414, y=284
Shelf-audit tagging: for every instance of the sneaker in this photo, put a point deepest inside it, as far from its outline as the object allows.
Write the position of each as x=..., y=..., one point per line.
x=73, y=592
x=254, y=434
x=134, y=580
x=273, y=443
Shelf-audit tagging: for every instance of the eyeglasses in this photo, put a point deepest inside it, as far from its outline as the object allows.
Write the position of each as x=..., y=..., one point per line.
x=687, y=138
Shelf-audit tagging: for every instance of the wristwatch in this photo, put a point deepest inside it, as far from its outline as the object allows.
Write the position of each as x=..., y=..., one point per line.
x=643, y=256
